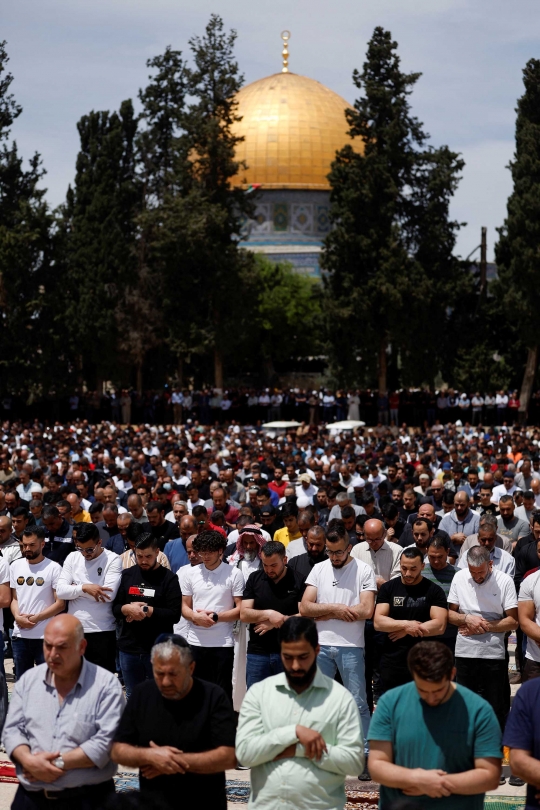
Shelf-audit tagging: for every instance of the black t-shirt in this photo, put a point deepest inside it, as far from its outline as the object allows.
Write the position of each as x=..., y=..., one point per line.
x=408, y=603
x=526, y=557
x=303, y=563
x=282, y=596
x=163, y=595
x=167, y=531
x=201, y=721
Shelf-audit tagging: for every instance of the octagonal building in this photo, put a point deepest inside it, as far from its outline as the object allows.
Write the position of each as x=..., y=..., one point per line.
x=292, y=127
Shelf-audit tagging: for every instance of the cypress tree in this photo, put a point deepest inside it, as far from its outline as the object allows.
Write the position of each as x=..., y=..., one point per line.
x=517, y=254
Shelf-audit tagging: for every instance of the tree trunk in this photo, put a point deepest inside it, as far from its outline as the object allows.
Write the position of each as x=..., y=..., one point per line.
x=527, y=384
x=218, y=368
x=139, y=378
x=383, y=368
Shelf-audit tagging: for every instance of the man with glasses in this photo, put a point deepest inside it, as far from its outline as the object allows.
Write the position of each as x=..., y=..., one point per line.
x=436, y=491
x=88, y=583
x=340, y=594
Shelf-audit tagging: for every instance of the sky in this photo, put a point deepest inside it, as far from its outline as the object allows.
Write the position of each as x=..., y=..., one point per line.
x=68, y=58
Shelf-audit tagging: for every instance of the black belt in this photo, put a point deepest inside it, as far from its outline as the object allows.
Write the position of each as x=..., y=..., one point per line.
x=71, y=793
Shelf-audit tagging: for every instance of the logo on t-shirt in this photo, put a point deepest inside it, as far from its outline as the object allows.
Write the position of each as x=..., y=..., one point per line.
x=399, y=601
x=100, y=571
x=20, y=580
x=30, y=580
x=40, y=581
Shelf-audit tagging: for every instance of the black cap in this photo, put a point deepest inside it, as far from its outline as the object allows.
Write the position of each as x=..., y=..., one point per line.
x=267, y=510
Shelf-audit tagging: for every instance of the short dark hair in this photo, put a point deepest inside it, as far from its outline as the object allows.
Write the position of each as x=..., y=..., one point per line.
x=336, y=531
x=411, y=552
x=95, y=508
x=36, y=531
x=86, y=532
x=368, y=497
x=209, y=540
x=431, y=661
x=506, y=499
x=528, y=494
x=197, y=511
x=390, y=511
x=134, y=531
x=439, y=541
x=147, y=540
x=20, y=511
x=273, y=547
x=153, y=505
x=448, y=496
x=427, y=521
x=486, y=486
x=297, y=628
x=348, y=512
x=289, y=509
x=50, y=512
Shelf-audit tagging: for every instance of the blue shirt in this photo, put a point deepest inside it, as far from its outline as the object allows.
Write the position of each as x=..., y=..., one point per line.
x=176, y=554
x=523, y=728
x=88, y=717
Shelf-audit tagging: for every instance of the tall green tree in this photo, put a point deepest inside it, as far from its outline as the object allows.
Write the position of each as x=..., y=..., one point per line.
x=517, y=252
x=99, y=237
x=28, y=356
x=389, y=255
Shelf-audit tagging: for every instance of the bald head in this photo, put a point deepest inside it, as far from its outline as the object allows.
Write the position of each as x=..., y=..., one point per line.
x=5, y=529
x=374, y=532
x=188, y=526
x=63, y=646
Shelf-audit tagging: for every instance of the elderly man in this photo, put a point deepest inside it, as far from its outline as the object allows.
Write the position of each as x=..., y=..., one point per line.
x=136, y=508
x=299, y=731
x=483, y=606
x=500, y=541
x=61, y=720
x=342, y=500
x=501, y=559
x=383, y=557
x=179, y=731
x=461, y=521
x=79, y=514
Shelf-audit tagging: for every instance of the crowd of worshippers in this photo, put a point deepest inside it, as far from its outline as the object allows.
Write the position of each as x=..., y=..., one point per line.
x=176, y=405
x=319, y=599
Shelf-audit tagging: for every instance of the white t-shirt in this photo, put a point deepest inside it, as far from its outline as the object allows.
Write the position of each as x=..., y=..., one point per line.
x=105, y=570
x=181, y=628
x=34, y=585
x=490, y=600
x=530, y=592
x=212, y=590
x=4, y=578
x=343, y=586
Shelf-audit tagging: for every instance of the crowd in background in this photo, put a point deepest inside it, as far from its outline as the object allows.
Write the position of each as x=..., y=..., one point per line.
x=250, y=405
x=382, y=536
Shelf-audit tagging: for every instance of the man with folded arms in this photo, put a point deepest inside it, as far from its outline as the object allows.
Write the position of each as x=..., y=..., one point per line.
x=60, y=725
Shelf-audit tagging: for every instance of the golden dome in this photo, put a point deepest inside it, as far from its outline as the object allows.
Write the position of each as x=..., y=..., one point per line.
x=292, y=127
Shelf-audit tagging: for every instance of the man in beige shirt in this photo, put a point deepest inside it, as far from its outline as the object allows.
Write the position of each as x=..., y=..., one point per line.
x=383, y=557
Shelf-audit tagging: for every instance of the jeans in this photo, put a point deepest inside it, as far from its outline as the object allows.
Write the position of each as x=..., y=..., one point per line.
x=136, y=668
x=259, y=667
x=350, y=663
x=26, y=653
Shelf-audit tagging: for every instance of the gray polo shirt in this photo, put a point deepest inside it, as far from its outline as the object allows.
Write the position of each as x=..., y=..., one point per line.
x=88, y=717
x=452, y=524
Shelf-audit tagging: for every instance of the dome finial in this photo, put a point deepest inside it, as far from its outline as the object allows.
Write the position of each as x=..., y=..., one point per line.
x=285, y=36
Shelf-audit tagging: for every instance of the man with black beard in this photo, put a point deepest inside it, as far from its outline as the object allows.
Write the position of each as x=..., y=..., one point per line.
x=316, y=553
x=303, y=708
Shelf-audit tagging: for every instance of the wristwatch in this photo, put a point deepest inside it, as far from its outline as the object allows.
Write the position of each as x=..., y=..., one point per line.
x=59, y=762
x=145, y=609
x=215, y=617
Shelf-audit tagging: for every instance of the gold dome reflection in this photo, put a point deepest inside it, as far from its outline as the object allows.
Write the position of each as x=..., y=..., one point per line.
x=292, y=127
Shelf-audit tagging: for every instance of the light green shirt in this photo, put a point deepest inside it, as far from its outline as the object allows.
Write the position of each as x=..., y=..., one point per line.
x=267, y=725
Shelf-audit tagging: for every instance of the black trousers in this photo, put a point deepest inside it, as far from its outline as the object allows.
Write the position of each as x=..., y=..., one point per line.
x=215, y=664
x=89, y=797
x=488, y=677
x=101, y=649
x=373, y=645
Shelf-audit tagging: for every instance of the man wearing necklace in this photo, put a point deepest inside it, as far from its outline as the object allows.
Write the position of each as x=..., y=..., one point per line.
x=433, y=738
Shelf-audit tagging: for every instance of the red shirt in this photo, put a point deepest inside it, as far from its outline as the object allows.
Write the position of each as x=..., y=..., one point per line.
x=279, y=489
